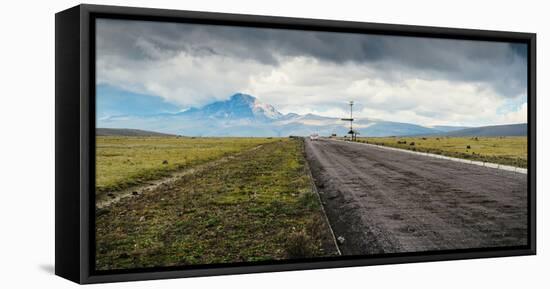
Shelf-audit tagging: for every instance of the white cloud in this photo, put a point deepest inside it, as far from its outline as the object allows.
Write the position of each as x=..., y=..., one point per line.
x=195, y=76
x=181, y=79
x=310, y=86
x=517, y=116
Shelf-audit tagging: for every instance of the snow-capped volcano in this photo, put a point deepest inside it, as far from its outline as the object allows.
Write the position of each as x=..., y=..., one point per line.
x=265, y=110
x=238, y=107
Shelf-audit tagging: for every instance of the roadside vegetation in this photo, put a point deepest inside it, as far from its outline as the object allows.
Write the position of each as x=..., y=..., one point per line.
x=258, y=206
x=511, y=151
x=125, y=161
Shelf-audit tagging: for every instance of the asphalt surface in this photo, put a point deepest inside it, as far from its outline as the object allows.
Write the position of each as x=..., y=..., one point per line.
x=383, y=201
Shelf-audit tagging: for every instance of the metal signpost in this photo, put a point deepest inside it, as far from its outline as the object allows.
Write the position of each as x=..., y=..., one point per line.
x=350, y=119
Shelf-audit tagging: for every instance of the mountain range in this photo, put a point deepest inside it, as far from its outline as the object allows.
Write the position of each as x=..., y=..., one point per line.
x=246, y=116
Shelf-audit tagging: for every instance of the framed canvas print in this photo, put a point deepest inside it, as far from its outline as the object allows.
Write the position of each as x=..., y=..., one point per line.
x=193, y=144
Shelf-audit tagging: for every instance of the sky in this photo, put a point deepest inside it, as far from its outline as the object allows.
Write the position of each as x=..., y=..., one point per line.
x=424, y=81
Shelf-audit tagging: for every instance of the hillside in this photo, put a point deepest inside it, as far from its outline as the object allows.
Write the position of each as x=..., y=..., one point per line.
x=495, y=130
x=127, y=132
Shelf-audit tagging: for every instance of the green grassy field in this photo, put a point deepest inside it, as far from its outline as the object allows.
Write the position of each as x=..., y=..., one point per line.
x=501, y=150
x=257, y=206
x=122, y=162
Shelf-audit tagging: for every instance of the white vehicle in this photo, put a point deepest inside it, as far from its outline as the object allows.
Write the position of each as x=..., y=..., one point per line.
x=314, y=136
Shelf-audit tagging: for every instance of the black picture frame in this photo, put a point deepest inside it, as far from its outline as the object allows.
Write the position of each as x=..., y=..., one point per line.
x=75, y=145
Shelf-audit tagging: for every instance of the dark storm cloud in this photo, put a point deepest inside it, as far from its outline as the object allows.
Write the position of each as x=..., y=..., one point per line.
x=502, y=66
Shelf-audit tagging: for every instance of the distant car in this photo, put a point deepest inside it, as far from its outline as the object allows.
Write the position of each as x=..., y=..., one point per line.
x=314, y=136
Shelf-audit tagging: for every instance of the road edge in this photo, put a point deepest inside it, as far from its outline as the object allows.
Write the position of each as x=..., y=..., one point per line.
x=316, y=192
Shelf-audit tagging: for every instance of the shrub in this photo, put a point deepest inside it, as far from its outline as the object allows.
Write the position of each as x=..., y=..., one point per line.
x=304, y=243
x=299, y=244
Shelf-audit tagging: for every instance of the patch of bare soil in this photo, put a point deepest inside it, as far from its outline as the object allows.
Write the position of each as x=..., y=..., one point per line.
x=113, y=197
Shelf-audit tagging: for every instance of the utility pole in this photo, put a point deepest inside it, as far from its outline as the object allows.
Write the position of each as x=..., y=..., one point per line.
x=350, y=119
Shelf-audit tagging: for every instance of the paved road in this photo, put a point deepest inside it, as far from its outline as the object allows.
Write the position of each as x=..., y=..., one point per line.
x=384, y=201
